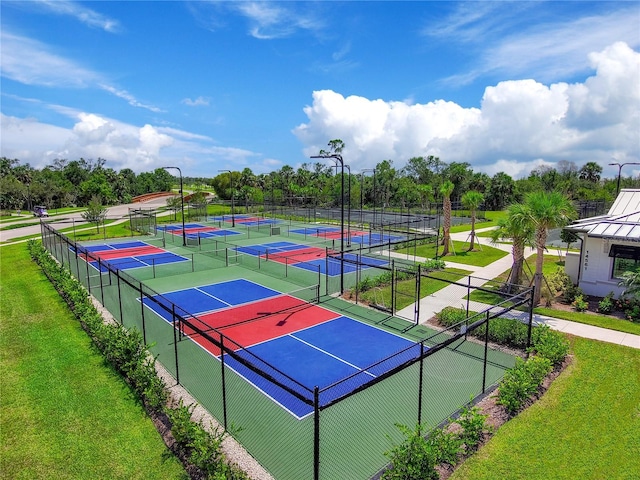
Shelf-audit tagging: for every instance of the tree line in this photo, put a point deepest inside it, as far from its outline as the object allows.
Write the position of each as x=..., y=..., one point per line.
x=416, y=185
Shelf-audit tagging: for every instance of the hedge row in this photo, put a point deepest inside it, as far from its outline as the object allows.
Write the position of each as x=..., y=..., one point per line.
x=126, y=351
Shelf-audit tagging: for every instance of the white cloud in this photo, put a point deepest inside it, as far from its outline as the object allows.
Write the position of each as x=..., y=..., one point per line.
x=553, y=49
x=520, y=124
x=123, y=145
x=32, y=63
x=83, y=14
x=198, y=102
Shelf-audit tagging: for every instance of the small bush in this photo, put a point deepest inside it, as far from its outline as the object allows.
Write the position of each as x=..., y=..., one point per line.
x=506, y=331
x=447, y=445
x=571, y=292
x=605, y=305
x=522, y=381
x=434, y=264
x=473, y=425
x=414, y=458
x=549, y=344
x=580, y=304
x=449, y=316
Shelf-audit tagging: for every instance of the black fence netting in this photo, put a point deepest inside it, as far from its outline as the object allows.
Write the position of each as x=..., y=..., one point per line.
x=339, y=430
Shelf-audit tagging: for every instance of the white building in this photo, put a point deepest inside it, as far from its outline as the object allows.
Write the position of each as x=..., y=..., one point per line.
x=610, y=245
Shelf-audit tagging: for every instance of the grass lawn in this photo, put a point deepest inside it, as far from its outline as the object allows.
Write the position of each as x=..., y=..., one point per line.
x=587, y=425
x=479, y=258
x=406, y=288
x=65, y=414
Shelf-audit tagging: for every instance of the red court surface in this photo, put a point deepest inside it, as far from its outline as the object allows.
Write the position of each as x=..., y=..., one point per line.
x=195, y=230
x=262, y=321
x=127, y=252
x=301, y=255
x=336, y=235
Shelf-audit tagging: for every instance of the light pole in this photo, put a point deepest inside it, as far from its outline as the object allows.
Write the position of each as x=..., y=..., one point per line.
x=362, y=190
x=184, y=234
x=348, y=204
x=620, y=165
x=233, y=218
x=338, y=158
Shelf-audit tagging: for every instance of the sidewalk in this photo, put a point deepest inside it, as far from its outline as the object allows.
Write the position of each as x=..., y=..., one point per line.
x=433, y=304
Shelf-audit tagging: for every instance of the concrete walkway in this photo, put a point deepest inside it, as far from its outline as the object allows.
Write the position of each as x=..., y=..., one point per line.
x=447, y=296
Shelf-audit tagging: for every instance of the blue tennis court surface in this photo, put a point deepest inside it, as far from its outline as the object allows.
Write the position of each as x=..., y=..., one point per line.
x=128, y=255
x=322, y=355
x=327, y=266
x=244, y=219
x=208, y=298
x=195, y=230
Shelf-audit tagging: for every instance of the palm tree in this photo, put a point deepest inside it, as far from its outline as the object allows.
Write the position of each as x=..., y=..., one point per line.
x=445, y=190
x=517, y=228
x=472, y=200
x=546, y=210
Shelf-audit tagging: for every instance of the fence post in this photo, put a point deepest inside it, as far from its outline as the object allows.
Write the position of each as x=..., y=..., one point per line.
x=119, y=297
x=224, y=384
x=486, y=347
x=393, y=287
x=100, y=275
x=468, y=293
x=530, y=326
x=416, y=310
x=420, y=383
x=175, y=340
x=144, y=330
x=316, y=434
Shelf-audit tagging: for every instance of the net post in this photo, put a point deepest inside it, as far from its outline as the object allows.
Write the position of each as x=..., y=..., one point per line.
x=175, y=341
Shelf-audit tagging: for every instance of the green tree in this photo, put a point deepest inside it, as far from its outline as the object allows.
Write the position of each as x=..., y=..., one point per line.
x=95, y=212
x=445, y=190
x=590, y=172
x=501, y=191
x=517, y=227
x=472, y=200
x=546, y=210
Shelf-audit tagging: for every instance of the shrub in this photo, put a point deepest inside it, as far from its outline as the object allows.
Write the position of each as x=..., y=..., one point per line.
x=433, y=264
x=605, y=305
x=571, y=292
x=522, y=381
x=201, y=447
x=580, y=304
x=447, y=445
x=473, y=425
x=549, y=344
x=413, y=459
x=506, y=331
x=449, y=316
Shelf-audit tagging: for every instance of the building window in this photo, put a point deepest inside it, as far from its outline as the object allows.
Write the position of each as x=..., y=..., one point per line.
x=625, y=258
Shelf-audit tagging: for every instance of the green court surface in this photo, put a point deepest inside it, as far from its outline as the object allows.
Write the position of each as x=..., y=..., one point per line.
x=355, y=432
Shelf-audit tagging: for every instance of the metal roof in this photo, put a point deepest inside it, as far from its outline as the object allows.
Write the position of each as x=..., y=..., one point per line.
x=621, y=223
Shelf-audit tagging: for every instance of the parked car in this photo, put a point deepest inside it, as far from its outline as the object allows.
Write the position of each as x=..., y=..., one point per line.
x=40, y=211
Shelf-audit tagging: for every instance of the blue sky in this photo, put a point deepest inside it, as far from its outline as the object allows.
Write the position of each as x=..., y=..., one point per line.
x=505, y=86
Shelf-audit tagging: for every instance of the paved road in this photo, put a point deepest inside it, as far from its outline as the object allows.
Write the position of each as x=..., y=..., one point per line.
x=64, y=221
